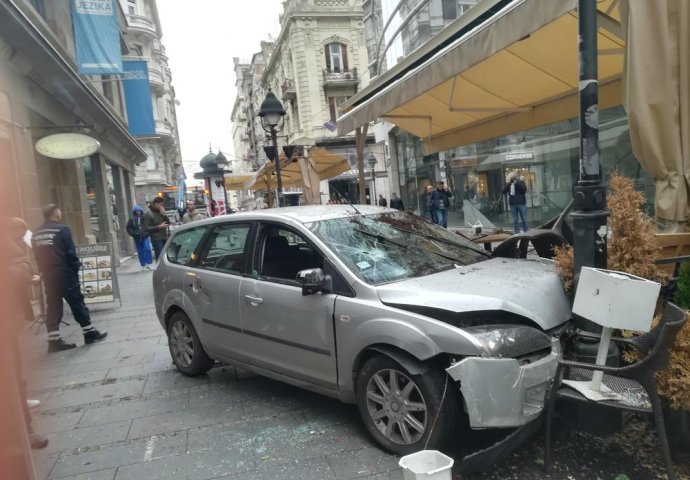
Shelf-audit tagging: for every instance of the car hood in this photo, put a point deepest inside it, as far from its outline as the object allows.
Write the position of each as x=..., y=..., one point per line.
x=528, y=288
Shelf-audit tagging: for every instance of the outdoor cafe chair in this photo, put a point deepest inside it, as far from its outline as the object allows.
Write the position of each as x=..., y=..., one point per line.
x=636, y=382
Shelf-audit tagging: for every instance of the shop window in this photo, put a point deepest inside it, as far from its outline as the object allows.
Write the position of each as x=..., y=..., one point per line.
x=336, y=57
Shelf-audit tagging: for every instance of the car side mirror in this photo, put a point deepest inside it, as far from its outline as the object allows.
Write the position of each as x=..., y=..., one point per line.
x=313, y=281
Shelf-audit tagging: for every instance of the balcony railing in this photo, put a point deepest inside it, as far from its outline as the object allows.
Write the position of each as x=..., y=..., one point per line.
x=289, y=90
x=340, y=77
x=164, y=128
x=142, y=23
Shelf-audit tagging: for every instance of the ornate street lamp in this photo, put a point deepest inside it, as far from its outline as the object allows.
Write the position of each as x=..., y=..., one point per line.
x=272, y=113
x=371, y=161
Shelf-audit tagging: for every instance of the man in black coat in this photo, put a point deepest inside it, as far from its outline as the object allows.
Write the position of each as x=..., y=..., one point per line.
x=516, y=189
x=396, y=202
x=59, y=265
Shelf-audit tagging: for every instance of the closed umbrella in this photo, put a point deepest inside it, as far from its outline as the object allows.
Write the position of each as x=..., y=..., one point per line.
x=657, y=98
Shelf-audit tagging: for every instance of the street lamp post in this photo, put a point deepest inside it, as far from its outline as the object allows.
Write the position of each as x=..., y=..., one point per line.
x=371, y=161
x=272, y=113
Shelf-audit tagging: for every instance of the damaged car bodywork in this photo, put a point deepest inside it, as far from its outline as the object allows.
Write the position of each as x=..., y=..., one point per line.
x=371, y=306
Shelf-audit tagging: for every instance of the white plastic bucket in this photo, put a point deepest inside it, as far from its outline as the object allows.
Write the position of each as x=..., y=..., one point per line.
x=426, y=465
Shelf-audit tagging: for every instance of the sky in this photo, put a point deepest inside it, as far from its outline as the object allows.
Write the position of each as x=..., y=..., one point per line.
x=200, y=43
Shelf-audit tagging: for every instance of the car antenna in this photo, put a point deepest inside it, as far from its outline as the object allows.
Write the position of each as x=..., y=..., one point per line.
x=346, y=199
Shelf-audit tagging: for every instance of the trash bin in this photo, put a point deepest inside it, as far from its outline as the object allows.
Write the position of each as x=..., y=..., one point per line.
x=426, y=465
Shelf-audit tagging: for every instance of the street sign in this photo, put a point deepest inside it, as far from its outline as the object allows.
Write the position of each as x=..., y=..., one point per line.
x=97, y=276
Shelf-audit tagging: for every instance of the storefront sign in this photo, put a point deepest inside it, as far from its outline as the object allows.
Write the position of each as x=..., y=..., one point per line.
x=97, y=275
x=97, y=36
x=67, y=146
x=138, y=98
x=519, y=156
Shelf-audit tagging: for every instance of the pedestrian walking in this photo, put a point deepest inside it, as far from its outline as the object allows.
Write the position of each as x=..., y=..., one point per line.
x=156, y=225
x=396, y=202
x=135, y=229
x=59, y=266
x=516, y=189
x=382, y=201
x=192, y=214
x=440, y=199
x=431, y=211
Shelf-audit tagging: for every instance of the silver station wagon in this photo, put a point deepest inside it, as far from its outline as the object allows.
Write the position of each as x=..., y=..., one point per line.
x=416, y=325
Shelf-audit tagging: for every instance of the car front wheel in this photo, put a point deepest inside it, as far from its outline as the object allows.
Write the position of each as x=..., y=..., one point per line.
x=406, y=413
x=186, y=351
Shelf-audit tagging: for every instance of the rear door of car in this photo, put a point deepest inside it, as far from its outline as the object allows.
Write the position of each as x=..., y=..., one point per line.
x=285, y=331
x=212, y=285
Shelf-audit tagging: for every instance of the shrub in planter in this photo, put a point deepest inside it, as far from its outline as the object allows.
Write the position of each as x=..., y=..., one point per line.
x=632, y=248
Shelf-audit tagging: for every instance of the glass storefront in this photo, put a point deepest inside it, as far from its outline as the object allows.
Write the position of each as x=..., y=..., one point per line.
x=546, y=158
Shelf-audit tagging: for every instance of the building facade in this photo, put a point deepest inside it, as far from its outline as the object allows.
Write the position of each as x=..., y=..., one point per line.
x=163, y=166
x=41, y=93
x=318, y=61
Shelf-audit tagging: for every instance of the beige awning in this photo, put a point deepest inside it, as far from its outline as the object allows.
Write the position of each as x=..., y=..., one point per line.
x=516, y=71
x=304, y=172
x=236, y=181
x=657, y=97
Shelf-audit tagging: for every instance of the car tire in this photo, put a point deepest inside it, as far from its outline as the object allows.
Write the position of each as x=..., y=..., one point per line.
x=186, y=350
x=386, y=415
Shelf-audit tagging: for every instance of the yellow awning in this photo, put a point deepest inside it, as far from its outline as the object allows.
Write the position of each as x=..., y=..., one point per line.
x=236, y=181
x=516, y=71
x=321, y=163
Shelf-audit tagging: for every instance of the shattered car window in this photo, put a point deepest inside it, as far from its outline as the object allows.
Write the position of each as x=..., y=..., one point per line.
x=393, y=246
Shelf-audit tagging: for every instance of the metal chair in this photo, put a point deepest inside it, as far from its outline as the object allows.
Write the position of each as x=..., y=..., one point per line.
x=636, y=382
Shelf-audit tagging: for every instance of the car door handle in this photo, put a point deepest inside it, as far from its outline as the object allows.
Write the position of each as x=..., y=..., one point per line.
x=256, y=301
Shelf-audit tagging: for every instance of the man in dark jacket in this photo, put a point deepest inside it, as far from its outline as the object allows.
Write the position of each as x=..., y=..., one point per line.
x=135, y=229
x=440, y=201
x=516, y=189
x=396, y=202
x=59, y=265
x=382, y=201
x=156, y=225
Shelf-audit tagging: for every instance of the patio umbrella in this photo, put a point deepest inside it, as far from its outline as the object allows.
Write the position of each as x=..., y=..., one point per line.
x=657, y=98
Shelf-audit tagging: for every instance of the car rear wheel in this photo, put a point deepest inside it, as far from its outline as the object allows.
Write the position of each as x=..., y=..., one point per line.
x=186, y=351
x=406, y=413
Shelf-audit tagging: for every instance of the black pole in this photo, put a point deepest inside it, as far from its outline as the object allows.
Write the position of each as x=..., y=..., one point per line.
x=589, y=207
x=277, y=162
x=589, y=194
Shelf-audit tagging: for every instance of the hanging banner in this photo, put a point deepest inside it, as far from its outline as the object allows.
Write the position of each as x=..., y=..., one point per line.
x=138, y=98
x=97, y=36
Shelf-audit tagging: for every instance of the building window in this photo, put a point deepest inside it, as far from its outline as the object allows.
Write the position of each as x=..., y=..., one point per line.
x=450, y=9
x=137, y=50
x=336, y=57
x=132, y=7
x=335, y=107
x=39, y=6
x=108, y=88
x=151, y=163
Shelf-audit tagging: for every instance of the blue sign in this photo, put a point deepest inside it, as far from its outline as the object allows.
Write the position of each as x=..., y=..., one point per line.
x=97, y=36
x=138, y=97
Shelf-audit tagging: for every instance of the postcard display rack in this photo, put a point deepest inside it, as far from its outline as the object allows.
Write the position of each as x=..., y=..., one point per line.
x=97, y=275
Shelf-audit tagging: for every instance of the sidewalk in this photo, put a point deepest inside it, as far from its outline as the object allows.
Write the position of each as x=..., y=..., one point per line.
x=119, y=410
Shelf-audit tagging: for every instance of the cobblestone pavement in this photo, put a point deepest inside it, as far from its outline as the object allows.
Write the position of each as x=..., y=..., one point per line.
x=119, y=410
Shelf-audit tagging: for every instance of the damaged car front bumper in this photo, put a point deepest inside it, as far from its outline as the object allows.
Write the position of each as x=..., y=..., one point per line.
x=506, y=392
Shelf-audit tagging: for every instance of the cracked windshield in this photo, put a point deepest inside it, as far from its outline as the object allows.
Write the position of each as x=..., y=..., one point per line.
x=393, y=246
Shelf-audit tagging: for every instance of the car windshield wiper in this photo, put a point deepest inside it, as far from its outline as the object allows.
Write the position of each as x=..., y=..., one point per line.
x=382, y=238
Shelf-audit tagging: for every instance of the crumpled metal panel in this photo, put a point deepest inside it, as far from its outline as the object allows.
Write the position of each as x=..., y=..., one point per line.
x=529, y=288
x=499, y=392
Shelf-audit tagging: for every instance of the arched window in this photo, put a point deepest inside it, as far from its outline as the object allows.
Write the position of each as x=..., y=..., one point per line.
x=336, y=57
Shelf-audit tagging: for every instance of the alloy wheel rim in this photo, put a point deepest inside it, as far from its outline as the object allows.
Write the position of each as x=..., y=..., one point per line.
x=396, y=406
x=182, y=344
